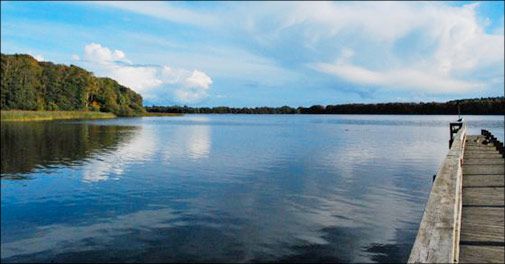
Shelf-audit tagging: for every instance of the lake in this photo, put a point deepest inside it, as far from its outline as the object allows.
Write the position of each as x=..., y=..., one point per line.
x=220, y=188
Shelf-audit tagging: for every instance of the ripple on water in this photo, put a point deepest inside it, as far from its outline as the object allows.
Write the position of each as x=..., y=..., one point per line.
x=220, y=188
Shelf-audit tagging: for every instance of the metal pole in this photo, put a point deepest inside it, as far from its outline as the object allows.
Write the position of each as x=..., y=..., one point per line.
x=459, y=113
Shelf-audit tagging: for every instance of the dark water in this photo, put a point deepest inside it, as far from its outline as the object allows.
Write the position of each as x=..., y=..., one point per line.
x=220, y=187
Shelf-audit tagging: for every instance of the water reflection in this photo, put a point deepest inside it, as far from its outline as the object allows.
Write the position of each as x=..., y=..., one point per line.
x=103, y=166
x=228, y=189
x=192, y=142
x=27, y=146
x=198, y=141
x=61, y=238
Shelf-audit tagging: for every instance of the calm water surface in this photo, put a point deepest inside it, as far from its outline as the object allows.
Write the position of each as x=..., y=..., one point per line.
x=227, y=188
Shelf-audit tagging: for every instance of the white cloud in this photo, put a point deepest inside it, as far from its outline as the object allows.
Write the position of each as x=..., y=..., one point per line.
x=398, y=78
x=96, y=53
x=450, y=50
x=165, y=11
x=378, y=20
x=139, y=78
x=75, y=57
x=198, y=79
x=114, y=64
x=190, y=94
x=452, y=44
x=194, y=88
x=152, y=82
x=459, y=45
x=38, y=57
x=232, y=64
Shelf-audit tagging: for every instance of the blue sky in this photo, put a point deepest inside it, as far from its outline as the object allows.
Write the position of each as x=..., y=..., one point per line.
x=271, y=53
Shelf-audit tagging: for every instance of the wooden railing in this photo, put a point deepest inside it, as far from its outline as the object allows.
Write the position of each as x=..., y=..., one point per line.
x=437, y=240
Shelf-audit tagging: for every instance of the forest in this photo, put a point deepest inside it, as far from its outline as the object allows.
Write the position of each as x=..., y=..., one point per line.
x=27, y=84
x=477, y=106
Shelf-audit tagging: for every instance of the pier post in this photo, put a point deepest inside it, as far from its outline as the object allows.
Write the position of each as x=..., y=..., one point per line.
x=454, y=127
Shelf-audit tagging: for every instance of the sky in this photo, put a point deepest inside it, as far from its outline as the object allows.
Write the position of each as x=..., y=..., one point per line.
x=271, y=53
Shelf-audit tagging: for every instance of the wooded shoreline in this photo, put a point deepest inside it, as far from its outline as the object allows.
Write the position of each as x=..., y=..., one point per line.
x=477, y=106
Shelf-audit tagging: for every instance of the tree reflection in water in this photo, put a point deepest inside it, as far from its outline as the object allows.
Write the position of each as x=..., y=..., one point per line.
x=26, y=146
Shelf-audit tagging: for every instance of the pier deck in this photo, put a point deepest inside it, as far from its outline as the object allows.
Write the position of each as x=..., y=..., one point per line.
x=464, y=217
x=482, y=219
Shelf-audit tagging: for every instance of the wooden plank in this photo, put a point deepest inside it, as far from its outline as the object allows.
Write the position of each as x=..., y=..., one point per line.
x=483, y=196
x=488, y=215
x=487, y=152
x=475, y=148
x=475, y=139
x=470, y=161
x=483, y=169
x=479, y=143
x=482, y=156
x=480, y=147
x=480, y=224
x=489, y=146
x=481, y=254
x=476, y=180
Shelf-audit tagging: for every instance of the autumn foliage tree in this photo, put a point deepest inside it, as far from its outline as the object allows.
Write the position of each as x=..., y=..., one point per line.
x=27, y=84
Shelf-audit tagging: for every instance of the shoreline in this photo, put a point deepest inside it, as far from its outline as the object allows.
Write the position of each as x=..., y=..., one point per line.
x=323, y=114
x=154, y=114
x=34, y=115
x=27, y=115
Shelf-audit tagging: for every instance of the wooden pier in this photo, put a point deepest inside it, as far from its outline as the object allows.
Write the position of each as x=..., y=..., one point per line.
x=464, y=218
x=482, y=231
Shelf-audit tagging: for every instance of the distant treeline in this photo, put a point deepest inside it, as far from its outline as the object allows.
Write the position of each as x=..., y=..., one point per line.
x=27, y=84
x=478, y=106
